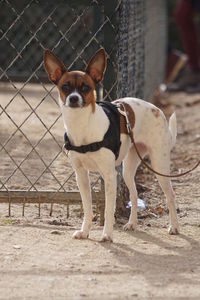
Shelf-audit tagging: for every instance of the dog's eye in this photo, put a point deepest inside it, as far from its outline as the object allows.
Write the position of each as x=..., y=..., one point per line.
x=85, y=88
x=66, y=87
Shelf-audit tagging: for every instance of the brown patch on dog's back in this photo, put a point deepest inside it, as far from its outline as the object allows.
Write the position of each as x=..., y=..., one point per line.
x=156, y=112
x=131, y=117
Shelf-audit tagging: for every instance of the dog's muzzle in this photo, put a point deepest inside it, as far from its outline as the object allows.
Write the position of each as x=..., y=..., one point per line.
x=74, y=100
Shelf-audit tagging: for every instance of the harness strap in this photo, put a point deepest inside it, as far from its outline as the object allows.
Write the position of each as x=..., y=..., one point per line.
x=83, y=148
x=111, y=138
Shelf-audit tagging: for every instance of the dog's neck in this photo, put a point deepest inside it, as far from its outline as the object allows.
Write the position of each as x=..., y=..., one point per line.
x=84, y=126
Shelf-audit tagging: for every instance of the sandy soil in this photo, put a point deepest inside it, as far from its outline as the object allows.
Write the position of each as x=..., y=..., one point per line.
x=40, y=260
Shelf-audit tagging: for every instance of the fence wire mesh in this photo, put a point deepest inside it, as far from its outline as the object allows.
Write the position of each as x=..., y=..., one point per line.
x=33, y=168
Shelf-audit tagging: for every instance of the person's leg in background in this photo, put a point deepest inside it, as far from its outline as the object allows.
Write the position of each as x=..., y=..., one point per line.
x=184, y=13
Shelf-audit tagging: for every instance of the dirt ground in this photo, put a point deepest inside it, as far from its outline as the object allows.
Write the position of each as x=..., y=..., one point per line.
x=40, y=260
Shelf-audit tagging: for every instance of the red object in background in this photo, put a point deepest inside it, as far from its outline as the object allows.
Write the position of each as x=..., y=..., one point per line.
x=184, y=14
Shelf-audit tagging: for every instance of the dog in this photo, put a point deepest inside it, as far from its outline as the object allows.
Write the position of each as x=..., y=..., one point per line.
x=86, y=122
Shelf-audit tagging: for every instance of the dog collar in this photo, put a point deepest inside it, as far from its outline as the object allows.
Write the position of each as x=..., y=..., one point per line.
x=111, y=138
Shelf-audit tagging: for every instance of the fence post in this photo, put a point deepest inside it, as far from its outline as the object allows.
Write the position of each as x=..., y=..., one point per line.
x=110, y=47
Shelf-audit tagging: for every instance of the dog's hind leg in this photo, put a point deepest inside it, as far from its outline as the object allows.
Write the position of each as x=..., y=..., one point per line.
x=82, y=178
x=130, y=166
x=161, y=162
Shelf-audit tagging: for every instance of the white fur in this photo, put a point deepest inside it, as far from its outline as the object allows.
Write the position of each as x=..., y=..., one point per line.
x=173, y=127
x=153, y=137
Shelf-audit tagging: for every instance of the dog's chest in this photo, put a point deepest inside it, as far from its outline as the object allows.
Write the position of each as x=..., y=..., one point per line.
x=96, y=161
x=91, y=161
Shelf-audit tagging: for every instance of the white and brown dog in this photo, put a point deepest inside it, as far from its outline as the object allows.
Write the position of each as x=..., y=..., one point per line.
x=86, y=122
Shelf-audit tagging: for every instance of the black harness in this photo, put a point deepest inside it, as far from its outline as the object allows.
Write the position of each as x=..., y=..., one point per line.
x=111, y=138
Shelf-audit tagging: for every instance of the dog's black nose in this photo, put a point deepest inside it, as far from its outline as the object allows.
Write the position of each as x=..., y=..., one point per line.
x=73, y=99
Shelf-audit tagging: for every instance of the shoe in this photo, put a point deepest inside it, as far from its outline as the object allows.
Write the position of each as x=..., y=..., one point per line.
x=193, y=89
x=188, y=78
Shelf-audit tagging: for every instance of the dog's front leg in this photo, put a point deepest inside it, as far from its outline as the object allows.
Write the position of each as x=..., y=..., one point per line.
x=110, y=201
x=83, y=182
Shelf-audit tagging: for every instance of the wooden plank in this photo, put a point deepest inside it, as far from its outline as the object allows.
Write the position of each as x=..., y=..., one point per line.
x=71, y=197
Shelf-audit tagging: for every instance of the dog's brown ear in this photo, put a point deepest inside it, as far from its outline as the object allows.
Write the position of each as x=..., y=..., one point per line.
x=53, y=66
x=97, y=65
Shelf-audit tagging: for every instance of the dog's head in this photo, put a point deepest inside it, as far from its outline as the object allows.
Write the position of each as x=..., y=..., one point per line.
x=76, y=88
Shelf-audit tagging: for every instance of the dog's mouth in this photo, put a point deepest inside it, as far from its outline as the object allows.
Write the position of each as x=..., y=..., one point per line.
x=74, y=105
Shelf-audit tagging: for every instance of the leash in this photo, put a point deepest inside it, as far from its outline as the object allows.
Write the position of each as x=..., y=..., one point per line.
x=130, y=133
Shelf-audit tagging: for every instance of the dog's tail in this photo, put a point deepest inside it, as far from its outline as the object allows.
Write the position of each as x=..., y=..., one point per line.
x=173, y=128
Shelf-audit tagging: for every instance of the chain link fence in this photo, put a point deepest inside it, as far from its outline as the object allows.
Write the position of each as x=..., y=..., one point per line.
x=33, y=168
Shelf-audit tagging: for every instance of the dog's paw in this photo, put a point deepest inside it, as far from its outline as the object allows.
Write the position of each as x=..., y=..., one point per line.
x=106, y=238
x=129, y=226
x=80, y=235
x=173, y=230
